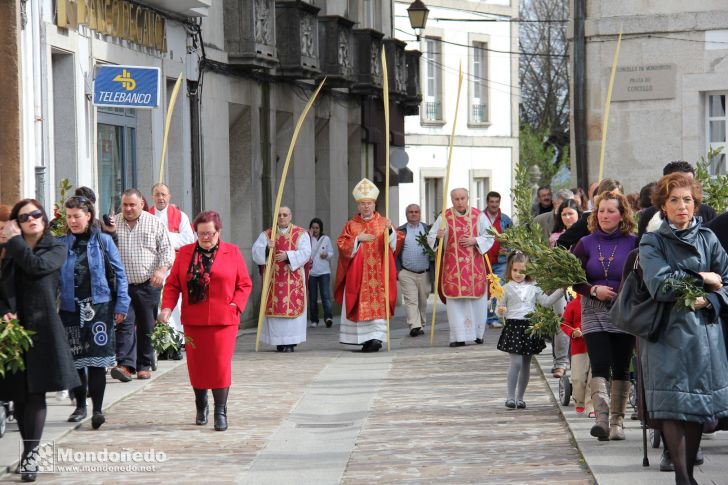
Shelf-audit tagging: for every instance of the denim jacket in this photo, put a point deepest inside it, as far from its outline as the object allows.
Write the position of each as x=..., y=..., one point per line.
x=100, y=292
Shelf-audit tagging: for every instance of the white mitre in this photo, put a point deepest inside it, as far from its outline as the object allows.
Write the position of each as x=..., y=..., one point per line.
x=365, y=190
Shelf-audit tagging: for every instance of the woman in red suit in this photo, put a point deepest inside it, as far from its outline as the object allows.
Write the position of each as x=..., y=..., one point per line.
x=214, y=283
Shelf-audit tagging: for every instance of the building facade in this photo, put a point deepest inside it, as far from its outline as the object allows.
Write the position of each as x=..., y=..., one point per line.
x=248, y=68
x=669, y=95
x=480, y=37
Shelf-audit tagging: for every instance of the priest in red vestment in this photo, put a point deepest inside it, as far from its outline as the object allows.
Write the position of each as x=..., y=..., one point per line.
x=359, y=287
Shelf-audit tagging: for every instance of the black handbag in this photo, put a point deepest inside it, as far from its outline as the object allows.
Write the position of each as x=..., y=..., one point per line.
x=108, y=269
x=635, y=311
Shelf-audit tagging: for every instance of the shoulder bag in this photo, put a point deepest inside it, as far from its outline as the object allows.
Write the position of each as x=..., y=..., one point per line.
x=635, y=311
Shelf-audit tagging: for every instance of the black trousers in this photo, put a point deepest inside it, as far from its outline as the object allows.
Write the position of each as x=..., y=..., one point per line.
x=133, y=344
x=609, y=351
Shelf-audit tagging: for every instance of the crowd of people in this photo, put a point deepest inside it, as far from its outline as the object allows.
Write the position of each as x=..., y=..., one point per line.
x=92, y=297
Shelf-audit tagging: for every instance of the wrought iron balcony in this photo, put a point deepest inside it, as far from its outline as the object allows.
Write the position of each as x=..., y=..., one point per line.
x=478, y=113
x=433, y=111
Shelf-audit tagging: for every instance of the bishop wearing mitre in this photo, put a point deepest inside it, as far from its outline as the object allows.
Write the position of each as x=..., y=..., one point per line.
x=359, y=287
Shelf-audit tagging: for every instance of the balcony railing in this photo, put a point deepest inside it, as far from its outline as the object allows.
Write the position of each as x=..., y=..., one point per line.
x=433, y=110
x=479, y=114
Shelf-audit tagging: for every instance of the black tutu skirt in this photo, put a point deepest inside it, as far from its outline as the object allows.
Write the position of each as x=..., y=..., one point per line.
x=514, y=340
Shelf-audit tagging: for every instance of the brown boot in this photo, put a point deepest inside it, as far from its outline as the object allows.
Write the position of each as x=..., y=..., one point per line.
x=620, y=396
x=600, y=399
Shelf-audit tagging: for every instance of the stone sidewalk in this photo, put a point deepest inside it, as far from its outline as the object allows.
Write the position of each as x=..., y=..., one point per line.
x=620, y=462
x=328, y=414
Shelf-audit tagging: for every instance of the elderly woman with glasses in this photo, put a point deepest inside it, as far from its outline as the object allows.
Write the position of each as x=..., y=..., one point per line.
x=93, y=299
x=212, y=277
x=36, y=258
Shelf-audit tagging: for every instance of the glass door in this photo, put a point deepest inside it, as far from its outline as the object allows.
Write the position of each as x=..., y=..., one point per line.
x=116, y=140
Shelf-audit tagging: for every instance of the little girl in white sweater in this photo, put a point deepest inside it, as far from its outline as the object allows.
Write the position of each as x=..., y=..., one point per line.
x=520, y=295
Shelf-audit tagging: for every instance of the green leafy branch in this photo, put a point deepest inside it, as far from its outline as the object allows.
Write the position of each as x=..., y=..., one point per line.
x=426, y=249
x=58, y=224
x=553, y=268
x=686, y=290
x=522, y=194
x=715, y=187
x=15, y=340
x=543, y=322
x=165, y=338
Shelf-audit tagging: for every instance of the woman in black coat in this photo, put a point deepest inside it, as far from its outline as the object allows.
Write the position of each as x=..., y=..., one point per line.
x=36, y=258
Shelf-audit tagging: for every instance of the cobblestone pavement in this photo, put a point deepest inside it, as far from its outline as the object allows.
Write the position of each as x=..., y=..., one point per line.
x=433, y=415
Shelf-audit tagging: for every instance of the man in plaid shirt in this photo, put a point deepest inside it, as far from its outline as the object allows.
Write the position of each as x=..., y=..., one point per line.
x=147, y=254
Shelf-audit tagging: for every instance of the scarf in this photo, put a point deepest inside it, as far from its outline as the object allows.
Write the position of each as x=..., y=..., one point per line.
x=495, y=248
x=198, y=273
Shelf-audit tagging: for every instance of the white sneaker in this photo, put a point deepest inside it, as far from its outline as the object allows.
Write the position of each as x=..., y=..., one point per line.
x=495, y=325
x=61, y=395
x=313, y=325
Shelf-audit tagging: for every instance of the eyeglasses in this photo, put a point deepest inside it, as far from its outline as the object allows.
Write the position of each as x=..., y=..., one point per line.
x=36, y=214
x=79, y=198
x=206, y=234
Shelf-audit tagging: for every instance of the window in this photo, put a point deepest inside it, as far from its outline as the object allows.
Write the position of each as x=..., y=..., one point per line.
x=716, y=130
x=117, y=155
x=479, y=86
x=433, y=80
x=481, y=186
x=433, y=198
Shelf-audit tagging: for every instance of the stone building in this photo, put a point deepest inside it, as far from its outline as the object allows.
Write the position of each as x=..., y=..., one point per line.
x=248, y=68
x=480, y=37
x=669, y=99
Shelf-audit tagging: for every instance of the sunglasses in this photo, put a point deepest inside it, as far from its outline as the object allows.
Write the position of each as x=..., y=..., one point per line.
x=36, y=214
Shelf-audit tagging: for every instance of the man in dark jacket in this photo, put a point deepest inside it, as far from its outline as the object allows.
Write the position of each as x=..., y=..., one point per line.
x=646, y=215
x=719, y=226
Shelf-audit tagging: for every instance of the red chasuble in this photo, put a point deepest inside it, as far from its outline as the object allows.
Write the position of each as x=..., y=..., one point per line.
x=362, y=277
x=463, y=272
x=174, y=217
x=287, y=291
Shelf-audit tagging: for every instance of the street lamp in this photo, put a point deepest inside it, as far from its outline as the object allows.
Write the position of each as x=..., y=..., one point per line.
x=417, y=12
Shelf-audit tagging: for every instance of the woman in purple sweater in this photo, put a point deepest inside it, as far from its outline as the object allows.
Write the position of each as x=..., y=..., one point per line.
x=603, y=254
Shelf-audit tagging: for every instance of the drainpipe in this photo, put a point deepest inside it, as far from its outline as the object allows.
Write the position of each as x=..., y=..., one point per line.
x=266, y=177
x=580, y=123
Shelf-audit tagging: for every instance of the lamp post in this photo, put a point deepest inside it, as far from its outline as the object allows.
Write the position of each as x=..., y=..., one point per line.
x=417, y=12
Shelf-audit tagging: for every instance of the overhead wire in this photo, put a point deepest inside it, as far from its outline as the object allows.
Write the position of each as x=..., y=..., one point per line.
x=523, y=53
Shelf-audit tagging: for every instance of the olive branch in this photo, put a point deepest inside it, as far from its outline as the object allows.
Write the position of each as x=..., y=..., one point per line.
x=15, y=340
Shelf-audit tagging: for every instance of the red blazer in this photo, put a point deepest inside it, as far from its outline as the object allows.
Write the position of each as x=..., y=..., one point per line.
x=229, y=283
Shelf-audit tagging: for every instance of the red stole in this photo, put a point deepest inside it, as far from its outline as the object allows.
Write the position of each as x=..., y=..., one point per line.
x=174, y=217
x=495, y=248
x=361, y=277
x=287, y=291
x=463, y=272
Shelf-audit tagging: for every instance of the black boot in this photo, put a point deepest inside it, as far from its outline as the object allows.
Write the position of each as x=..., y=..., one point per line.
x=220, y=417
x=220, y=396
x=666, y=464
x=202, y=406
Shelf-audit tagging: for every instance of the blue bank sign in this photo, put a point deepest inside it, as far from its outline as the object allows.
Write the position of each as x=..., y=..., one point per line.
x=127, y=86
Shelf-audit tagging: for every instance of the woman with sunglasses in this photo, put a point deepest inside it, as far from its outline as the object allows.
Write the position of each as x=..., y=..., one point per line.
x=36, y=258
x=89, y=308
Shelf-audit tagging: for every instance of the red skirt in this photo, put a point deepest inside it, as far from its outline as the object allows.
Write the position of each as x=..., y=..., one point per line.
x=210, y=356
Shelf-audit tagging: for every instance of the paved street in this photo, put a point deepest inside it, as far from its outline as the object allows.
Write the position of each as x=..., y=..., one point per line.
x=326, y=414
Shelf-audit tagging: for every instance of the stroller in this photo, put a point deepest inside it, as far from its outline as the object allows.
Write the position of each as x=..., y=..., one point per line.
x=6, y=415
